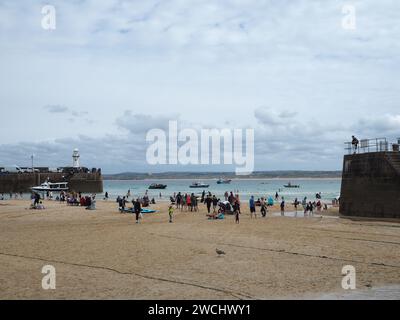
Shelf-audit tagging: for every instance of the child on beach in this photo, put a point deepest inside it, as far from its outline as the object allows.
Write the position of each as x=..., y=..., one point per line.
x=283, y=207
x=170, y=213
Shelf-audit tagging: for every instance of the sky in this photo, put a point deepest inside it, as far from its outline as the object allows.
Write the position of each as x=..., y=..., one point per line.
x=112, y=70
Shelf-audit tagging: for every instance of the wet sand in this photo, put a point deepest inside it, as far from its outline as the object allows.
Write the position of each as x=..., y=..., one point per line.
x=103, y=254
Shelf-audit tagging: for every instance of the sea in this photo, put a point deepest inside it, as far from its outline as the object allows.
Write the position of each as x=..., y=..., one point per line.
x=329, y=188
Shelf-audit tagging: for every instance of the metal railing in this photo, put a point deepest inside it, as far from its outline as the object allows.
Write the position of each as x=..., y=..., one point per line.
x=368, y=145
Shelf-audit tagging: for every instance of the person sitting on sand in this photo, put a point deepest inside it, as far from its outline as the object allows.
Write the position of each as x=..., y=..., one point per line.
x=90, y=202
x=40, y=206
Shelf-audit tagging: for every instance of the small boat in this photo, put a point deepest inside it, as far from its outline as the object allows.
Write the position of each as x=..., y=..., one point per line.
x=289, y=185
x=223, y=181
x=157, y=186
x=199, y=185
x=51, y=186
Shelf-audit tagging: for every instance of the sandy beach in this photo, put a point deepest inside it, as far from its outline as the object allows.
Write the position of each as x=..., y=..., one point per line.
x=103, y=254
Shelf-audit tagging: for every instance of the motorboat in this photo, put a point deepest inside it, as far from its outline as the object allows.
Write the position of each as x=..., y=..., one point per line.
x=51, y=186
x=223, y=181
x=157, y=186
x=290, y=185
x=199, y=185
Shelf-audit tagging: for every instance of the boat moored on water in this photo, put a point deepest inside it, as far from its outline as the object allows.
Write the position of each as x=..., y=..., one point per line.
x=224, y=181
x=51, y=186
x=199, y=185
x=290, y=185
x=157, y=186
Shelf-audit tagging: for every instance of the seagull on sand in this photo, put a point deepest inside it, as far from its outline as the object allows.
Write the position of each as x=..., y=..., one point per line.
x=219, y=252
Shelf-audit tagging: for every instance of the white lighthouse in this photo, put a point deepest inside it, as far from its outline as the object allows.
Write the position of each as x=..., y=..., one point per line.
x=75, y=158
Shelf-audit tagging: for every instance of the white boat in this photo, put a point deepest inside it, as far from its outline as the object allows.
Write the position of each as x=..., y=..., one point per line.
x=51, y=186
x=199, y=185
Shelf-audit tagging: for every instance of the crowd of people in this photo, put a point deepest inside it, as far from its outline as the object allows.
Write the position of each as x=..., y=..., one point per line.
x=16, y=195
x=187, y=202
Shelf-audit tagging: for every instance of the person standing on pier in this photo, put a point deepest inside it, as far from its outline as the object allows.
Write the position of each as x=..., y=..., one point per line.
x=354, y=142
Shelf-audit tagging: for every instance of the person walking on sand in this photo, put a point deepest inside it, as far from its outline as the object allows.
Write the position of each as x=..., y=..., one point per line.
x=263, y=207
x=188, y=202
x=184, y=199
x=178, y=200
x=304, y=204
x=237, y=212
x=311, y=208
x=195, y=203
x=214, y=203
x=238, y=200
x=170, y=213
x=283, y=207
x=137, y=208
x=208, y=202
x=252, y=206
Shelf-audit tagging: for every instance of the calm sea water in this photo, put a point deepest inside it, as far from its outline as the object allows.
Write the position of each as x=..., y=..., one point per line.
x=329, y=188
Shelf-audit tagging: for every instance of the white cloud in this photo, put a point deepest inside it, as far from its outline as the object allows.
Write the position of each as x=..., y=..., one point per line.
x=207, y=63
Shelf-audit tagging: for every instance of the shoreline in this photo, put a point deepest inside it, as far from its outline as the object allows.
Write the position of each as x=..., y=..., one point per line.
x=233, y=179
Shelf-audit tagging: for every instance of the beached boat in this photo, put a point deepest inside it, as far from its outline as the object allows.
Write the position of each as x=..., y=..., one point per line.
x=224, y=181
x=199, y=185
x=157, y=186
x=289, y=185
x=51, y=186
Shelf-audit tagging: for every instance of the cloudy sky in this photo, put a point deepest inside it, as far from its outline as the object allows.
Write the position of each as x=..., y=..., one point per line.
x=112, y=70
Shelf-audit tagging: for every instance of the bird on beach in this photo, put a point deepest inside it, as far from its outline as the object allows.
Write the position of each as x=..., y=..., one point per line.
x=219, y=252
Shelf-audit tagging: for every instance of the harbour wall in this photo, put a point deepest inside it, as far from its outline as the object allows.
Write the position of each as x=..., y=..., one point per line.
x=22, y=182
x=371, y=185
